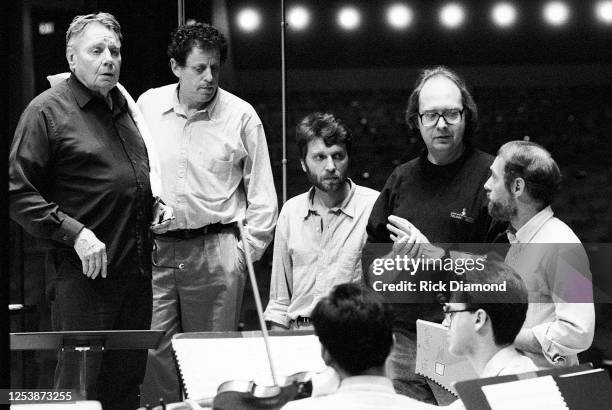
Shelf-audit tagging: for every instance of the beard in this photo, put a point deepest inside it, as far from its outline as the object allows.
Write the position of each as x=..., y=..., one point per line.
x=328, y=183
x=503, y=209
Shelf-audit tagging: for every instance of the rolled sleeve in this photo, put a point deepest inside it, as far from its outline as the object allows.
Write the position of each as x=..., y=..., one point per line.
x=262, y=207
x=281, y=280
x=573, y=329
x=571, y=333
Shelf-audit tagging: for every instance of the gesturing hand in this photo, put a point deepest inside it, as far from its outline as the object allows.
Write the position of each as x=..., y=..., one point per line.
x=92, y=253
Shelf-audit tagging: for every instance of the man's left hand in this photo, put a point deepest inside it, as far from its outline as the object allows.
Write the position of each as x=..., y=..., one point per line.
x=162, y=217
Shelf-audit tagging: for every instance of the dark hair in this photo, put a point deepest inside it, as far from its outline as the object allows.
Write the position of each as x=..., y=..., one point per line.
x=535, y=165
x=469, y=105
x=184, y=38
x=322, y=125
x=355, y=327
x=79, y=23
x=506, y=309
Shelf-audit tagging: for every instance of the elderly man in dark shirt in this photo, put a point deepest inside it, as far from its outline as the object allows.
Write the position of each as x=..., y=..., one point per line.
x=79, y=177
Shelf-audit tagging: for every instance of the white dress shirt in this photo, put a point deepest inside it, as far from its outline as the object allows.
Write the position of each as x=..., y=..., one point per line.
x=316, y=248
x=550, y=258
x=215, y=163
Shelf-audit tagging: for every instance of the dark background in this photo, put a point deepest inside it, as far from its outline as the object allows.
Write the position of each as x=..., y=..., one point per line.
x=553, y=85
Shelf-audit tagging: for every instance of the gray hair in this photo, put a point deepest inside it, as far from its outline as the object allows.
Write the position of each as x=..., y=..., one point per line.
x=80, y=22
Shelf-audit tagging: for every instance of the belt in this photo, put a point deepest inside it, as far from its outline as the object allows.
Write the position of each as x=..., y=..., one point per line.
x=194, y=233
x=302, y=321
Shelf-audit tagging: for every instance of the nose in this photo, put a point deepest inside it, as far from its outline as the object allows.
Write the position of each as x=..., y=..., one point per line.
x=441, y=122
x=330, y=165
x=487, y=185
x=207, y=75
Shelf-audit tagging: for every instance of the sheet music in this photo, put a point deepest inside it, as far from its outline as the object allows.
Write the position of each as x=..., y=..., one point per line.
x=206, y=363
x=434, y=360
x=528, y=394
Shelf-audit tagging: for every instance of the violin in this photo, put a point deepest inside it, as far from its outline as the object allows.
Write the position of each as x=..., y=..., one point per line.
x=248, y=395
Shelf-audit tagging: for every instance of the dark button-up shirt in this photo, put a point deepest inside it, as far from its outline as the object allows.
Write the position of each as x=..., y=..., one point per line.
x=76, y=162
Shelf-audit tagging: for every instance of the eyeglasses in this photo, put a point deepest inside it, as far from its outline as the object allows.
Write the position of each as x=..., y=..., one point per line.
x=431, y=118
x=449, y=314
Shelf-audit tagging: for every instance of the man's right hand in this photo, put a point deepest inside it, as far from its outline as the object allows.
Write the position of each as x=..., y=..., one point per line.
x=92, y=253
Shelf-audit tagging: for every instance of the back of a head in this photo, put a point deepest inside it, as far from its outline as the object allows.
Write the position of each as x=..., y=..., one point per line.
x=534, y=164
x=355, y=327
x=506, y=308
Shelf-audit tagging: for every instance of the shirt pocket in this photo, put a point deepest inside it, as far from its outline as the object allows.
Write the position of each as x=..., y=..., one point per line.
x=215, y=175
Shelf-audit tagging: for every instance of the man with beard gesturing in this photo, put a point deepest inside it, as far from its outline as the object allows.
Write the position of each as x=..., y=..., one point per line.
x=320, y=233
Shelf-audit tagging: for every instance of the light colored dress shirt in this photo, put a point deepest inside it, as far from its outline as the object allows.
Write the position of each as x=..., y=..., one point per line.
x=508, y=361
x=316, y=248
x=213, y=163
x=505, y=362
x=361, y=393
x=550, y=258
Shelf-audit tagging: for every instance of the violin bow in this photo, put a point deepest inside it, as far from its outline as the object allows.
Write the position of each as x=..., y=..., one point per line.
x=258, y=305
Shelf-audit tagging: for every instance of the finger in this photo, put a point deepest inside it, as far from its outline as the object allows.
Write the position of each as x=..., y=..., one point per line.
x=89, y=265
x=97, y=258
x=397, y=231
x=397, y=221
x=104, y=263
x=85, y=265
x=393, y=237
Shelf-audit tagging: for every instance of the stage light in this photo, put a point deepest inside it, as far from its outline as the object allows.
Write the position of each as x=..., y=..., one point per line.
x=298, y=18
x=349, y=18
x=556, y=13
x=399, y=16
x=603, y=10
x=249, y=20
x=452, y=15
x=504, y=14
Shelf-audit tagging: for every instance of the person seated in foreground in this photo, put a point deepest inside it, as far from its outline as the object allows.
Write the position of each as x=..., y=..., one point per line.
x=482, y=326
x=355, y=331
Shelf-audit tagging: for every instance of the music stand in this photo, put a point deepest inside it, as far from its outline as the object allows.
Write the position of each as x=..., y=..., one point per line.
x=86, y=341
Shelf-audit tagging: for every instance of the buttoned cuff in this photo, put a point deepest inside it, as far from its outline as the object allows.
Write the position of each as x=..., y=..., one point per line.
x=274, y=314
x=68, y=231
x=550, y=351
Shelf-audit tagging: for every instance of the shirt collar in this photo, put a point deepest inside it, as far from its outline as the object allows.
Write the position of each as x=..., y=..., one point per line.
x=174, y=104
x=84, y=95
x=499, y=361
x=347, y=206
x=526, y=233
x=367, y=383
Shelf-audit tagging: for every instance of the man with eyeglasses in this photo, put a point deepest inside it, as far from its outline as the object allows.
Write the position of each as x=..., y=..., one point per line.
x=441, y=193
x=215, y=172
x=482, y=325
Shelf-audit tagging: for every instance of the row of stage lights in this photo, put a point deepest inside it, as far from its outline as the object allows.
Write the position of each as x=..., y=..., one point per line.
x=400, y=16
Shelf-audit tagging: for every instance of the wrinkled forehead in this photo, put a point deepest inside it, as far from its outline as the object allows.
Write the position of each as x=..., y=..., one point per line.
x=95, y=33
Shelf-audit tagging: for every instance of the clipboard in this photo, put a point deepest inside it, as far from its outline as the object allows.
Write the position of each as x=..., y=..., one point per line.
x=582, y=387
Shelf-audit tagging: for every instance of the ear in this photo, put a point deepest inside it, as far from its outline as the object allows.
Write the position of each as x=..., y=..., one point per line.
x=327, y=359
x=518, y=187
x=71, y=57
x=481, y=319
x=175, y=67
x=303, y=165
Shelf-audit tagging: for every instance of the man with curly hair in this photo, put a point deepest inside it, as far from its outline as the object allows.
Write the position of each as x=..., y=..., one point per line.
x=215, y=172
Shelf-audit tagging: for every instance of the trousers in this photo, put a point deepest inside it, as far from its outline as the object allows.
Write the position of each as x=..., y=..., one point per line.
x=198, y=285
x=112, y=303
